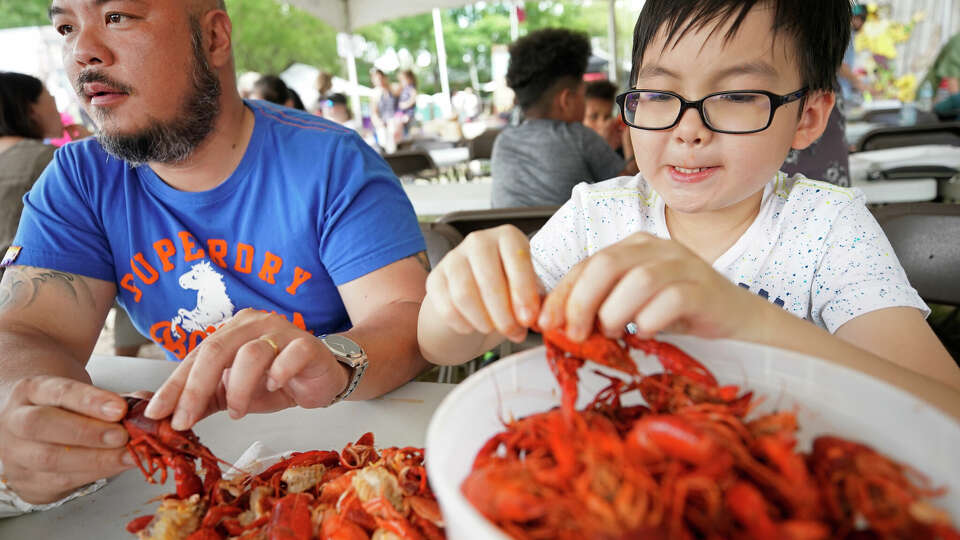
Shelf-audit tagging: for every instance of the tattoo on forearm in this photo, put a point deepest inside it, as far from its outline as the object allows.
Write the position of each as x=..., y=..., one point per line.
x=423, y=260
x=21, y=285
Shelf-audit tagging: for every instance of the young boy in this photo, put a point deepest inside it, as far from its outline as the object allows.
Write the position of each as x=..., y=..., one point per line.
x=599, y=115
x=709, y=239
x=539, y=161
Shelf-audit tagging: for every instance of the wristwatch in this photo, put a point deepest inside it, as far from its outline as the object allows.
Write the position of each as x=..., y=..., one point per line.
x=349, y=353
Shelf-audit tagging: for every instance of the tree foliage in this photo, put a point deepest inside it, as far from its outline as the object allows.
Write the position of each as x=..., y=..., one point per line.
x=269, y=35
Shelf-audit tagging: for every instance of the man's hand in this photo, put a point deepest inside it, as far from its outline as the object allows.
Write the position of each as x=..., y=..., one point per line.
x=58, y=434
x=239, y=368
x=487, y=284
x=658, y=284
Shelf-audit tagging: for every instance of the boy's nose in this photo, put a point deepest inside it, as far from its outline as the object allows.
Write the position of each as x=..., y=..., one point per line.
x=691, y=129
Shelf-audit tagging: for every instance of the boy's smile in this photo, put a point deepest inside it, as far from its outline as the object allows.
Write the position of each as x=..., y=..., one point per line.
x=694, y=168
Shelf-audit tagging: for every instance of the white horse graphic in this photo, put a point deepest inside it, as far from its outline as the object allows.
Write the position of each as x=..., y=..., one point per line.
x=213, y=304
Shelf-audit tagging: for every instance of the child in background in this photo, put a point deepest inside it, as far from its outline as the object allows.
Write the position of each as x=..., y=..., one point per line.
x=539, y=161
x=709, y=239
x=600, y=116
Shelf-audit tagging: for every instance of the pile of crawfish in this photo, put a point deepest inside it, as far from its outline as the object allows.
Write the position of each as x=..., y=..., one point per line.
x=357, y=493
x=687, y=464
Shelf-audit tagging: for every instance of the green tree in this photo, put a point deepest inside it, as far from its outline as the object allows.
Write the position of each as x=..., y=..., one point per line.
x=17, y=13
x=268, y=36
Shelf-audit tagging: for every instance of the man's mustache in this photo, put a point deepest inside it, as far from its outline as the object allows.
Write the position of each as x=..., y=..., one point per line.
x=91, y=76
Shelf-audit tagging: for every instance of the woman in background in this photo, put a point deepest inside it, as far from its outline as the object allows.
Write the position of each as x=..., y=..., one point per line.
x=28, y=115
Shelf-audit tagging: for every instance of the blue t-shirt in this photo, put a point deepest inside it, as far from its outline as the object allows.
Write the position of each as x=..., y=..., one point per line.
x=309, y=207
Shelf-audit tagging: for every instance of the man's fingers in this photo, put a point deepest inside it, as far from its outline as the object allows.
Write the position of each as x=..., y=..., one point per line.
x=521, y=278
x=248, y=371
x=59, y=458
x=73, y=395
x=164, y=401
x=46, y=487
x=59, y=426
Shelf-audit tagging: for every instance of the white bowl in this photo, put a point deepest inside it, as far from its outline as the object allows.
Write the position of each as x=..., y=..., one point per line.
x=828, y=399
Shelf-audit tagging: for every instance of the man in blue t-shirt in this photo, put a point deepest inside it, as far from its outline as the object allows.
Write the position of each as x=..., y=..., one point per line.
x=233, y=233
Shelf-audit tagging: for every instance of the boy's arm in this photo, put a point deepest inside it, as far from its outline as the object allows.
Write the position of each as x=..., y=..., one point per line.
x=879, y=344
x=901, y=335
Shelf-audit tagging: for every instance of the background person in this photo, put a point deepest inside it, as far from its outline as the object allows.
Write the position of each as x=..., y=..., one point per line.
x=406, y=102
x=539, y=161
x=601, y=116
x=384, y=106
x=28, y=115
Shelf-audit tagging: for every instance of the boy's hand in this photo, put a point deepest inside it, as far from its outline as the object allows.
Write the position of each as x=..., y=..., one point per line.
x=658, y=284
x=487, y=284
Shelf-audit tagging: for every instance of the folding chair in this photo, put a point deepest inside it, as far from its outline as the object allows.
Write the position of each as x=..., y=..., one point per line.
x=898, y=136
x=926, y=239
x=440, y=239
x=411, y=163
x=481, y=146
x=527, y=219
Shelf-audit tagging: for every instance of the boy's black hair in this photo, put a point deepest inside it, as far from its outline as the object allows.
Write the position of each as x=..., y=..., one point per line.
x=18, y=94
x=602, y=89
x=542, y=59
x=819, y=28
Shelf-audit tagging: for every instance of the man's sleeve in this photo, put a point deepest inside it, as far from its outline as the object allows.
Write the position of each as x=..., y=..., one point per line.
x=602, y=160
x=368, y=221
x=859, y=271
x=58, y=229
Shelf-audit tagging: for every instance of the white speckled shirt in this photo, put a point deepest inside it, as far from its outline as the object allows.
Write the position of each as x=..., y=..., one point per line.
x=814, y=248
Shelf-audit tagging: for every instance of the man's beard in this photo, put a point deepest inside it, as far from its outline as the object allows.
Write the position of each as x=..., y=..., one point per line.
x=173, y=141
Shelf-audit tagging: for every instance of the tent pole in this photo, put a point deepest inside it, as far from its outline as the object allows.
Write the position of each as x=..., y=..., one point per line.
x=442, y=60
x=514, y=20
x=352, y=65
x=613, y=67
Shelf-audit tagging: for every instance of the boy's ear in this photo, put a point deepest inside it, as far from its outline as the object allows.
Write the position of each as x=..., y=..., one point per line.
x=813, y=120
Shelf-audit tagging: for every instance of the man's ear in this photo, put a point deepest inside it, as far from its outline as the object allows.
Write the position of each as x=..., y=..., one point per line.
x=563, y=100
x=813, y=121
x=218, y=37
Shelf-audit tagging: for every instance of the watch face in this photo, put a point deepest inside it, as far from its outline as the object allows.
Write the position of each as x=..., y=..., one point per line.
x=343, y=346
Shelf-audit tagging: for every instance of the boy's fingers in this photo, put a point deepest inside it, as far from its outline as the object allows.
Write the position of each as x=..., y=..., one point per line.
x=664, y=310
x=599, y=276
x=631, y=293
x=486, y=266
x=438, y=294
x=521, y=277
x=465, y=295
x=552, y=311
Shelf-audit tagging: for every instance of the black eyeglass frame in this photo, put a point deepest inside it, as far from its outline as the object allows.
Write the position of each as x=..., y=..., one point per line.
x=776, y=101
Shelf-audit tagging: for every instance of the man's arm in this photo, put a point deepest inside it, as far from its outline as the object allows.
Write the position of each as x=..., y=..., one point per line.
x=383, y=306
x=49, y=323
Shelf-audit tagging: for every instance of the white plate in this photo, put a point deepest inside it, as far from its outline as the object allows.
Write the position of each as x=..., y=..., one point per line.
x=827, y=398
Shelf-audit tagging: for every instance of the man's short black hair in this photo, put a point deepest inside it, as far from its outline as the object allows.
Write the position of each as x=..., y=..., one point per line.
x=18, y=94
x=820, y=30
x=542, y=59
x=602, y=89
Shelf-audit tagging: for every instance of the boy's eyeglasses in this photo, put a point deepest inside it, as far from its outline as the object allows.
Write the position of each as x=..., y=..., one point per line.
x=738, y=112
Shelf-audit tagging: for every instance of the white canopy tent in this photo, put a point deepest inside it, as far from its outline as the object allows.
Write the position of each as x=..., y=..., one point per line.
x=347, y=15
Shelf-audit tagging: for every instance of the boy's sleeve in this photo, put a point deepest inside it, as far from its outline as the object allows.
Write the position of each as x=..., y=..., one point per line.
x=602, y=160
x=367, y=221
x=859, y=271
x=561, y=243
x=58, y=228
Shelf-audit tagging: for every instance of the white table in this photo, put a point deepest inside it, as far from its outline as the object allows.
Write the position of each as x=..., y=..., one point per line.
x=448, y=157
x=438, y=199
x=896, y=191
x=399, y=418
